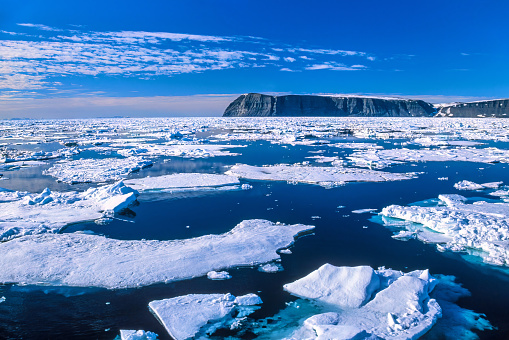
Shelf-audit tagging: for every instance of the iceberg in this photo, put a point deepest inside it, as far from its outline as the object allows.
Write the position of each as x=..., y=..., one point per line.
x=96, y=170
x=184, y=316
x=480, y=228
x=83, y=260
x=324, y=176
x=23, y=213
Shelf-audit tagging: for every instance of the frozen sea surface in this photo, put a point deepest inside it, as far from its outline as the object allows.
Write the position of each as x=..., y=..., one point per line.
x=70, y=229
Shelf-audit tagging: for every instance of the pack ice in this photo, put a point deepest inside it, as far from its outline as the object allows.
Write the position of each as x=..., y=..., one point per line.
x=182, y=182
x=185, y=317
x=324, y=176
x=96, y=261
x=480, y=228
x=96, y=170
x=23, y=213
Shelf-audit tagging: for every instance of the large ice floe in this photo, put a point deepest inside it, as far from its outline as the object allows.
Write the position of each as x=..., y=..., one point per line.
x=479, y=228
x=362, y=303
x=183, y=182
x=96, y=170
x=324, y=176
x=96, y=261
x=197, y=315
x=23, y=213
x=383, y=158
x=185, y=150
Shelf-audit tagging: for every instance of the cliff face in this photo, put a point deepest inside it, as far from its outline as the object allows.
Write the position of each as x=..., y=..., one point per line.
x=498, y=108
x=260, y=105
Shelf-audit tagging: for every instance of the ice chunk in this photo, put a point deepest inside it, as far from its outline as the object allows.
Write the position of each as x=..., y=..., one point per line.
x=468, y=185
x=184, y=316
x=127, y=334
x=363, y=211
x=345, y=287
x=23, y=213
x=481, y=228
x=325, y=176
x=213, y=275
x=270, y=268
x=2, y=299
x=96, y=170
x=96, y=261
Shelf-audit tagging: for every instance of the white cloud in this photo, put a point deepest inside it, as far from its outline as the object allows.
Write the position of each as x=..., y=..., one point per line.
x=289, y=59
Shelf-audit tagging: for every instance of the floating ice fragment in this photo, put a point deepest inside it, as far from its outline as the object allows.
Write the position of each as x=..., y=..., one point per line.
x=213, y=275
x=127, y=334
x=271, y=268
x=184, y=316
x=181, y=182
x=2, y=299
x=468, y=185
x=363, y=211
x=96, y=261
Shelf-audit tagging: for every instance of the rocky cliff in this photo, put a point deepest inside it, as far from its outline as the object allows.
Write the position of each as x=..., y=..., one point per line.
x=498, y=108
x=260, y=105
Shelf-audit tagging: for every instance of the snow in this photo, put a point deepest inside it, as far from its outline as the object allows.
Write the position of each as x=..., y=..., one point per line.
x=213, y=275
x=480, y=228
x=23, y=213
x=468, y=185
x=96, y=261
x=182, y=182
x=184, y=316
x=127, y=334
x=324, y=176
x=185, y=150
x=96, y=170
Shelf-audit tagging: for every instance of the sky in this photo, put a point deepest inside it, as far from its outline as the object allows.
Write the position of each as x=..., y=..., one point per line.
x=81, y=59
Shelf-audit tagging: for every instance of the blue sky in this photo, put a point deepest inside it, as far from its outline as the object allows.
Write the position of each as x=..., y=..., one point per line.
x=177, y=58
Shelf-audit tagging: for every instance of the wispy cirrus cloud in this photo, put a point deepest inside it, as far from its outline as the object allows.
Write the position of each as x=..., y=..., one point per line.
x=47, y=59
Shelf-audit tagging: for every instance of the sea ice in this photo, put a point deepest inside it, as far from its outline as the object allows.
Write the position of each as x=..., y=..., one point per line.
x=468, y=185
x=480, y=228
x=185, y=150
x=96, y=170
x=324, y=176
x=213, y=275
x=96, y=261
x=23, y=213
x=363, y=211
x=184, y=316
x=128, y=334
x=182, y=182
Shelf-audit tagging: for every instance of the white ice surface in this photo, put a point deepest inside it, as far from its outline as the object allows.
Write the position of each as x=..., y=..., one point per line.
x=480, y=228
x=23, y=213
x=182, y=182
x=324, y=176
x=184, y=316
x=96, y=261
x=185, y=150
x=213, y=275
x=128, y=334
x=96, y=170
x=468, y=185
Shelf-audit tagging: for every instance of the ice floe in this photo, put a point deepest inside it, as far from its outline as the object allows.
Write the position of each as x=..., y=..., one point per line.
x=185, y=150
x=96, y=261
x=183, y=182
x=213, y=275
x=128, y=334
x=23, y=213
x=11, y=155
x=480, y=228
x=359, y=302
x=96, y=170
x=185, y=317
x=324, y=176
x=468, y=185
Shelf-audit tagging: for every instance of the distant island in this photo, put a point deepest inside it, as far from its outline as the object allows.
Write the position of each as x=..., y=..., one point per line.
x=261, y=105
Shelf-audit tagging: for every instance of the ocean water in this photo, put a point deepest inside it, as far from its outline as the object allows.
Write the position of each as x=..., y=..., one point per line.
x=341, y=238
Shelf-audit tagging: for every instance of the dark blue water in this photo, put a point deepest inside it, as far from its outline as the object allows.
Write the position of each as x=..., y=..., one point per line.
x=340, y=238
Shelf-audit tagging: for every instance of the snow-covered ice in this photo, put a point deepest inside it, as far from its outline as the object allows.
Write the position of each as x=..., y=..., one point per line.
x=96, y=261
x=213, y=275
x=324, y=176
x=128, y=334
x=468, y=185
x=184, y=317
x=182, y=182
x=23, y=213
x=89, y=170
x=480, y=228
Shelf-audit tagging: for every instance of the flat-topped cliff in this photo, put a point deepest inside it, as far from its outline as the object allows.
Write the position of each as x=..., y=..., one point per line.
x=260, y=105
x=498, y=108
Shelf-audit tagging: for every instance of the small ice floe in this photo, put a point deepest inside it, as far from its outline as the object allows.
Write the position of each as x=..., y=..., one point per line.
x=23, y=213
x=128, y=334
x=359, y=302
x=324, y=176
x=196, y=315
x=480, y=228
x=96, y=170
x=324, y=159
x=285, y=251
x=183, y=182
x=468, y=185
x=2, y=299
x=10, y=155
x=271, y=268
x=95, y=261
x=181, y=149
x=363, y=211
x=441, y=141
x=213, y=275
x=443, y=178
